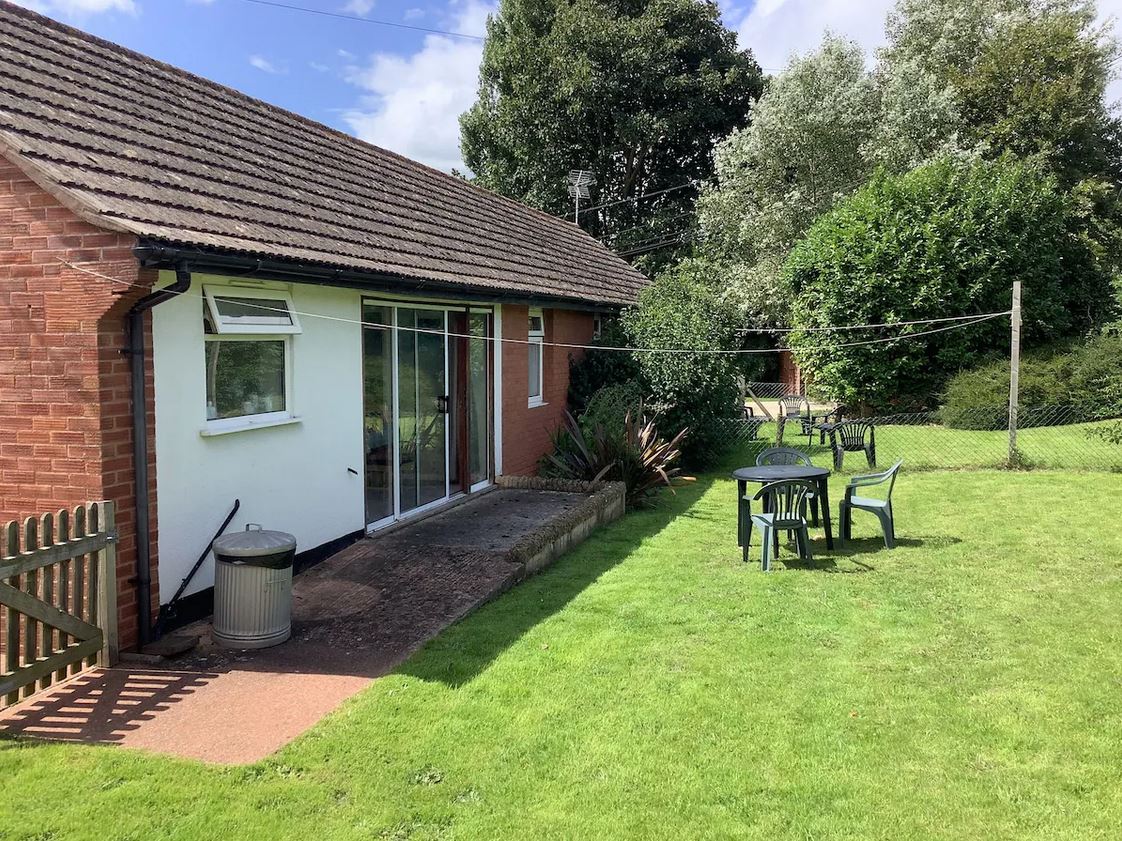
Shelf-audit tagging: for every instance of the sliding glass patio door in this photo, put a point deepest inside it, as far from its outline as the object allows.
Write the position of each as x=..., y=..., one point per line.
x=423, y=406
x=428, y=406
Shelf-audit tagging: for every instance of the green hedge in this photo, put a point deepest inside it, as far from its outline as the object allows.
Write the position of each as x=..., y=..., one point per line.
x=946, y=239
x=1087, y=379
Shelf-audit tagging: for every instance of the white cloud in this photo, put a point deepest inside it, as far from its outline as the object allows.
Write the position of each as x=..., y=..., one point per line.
x=412, y=103
x=77, y=8
x=359, y=7
x=777, y=29
x=263, y=64
x=413, y=14
x=1111, y=11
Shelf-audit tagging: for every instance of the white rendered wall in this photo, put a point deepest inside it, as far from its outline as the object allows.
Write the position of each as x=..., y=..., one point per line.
x=293, y=478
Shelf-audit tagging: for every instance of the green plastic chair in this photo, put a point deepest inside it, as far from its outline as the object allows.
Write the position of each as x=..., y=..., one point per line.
x=882, y=508
x=854, y=436
x=789, y=455
x=784, y=505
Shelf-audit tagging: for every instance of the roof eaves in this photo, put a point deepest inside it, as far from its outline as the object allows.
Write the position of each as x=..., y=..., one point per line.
x=163, y=253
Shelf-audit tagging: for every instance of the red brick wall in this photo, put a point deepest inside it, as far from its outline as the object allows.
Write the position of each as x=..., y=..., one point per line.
x=65, y=409
x=789, y=373
x=526, y=430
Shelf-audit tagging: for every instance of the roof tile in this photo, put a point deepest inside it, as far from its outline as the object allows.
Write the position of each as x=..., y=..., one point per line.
x=145, y=147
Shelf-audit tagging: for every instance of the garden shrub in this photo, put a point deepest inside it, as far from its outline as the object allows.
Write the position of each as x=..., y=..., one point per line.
x=1069, y=385
x=684, y=308
x=1111, y=433
x=597, y=369
x=611, y=404
x=632, y=452
x=946, y=239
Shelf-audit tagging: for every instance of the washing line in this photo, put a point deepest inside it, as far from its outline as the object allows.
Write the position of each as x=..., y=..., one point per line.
x=960, y=322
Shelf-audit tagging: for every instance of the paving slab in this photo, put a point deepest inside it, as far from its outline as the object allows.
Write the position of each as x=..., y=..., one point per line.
x=356, y=616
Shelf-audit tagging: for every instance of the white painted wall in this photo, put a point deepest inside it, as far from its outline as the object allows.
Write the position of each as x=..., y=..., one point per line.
x=293, y=478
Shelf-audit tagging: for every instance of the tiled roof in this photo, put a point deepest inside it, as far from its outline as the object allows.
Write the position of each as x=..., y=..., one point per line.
x=136, y=145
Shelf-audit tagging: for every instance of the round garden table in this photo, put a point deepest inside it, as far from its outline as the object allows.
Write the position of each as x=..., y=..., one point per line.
x=767, y=473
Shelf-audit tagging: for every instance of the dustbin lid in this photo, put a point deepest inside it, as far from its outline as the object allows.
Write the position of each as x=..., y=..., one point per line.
x=254, y=541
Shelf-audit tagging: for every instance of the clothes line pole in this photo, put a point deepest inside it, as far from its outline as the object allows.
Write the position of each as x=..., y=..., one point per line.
x=1014, y=371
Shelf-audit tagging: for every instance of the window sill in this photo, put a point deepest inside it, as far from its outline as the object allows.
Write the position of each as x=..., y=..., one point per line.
x=535, y=402
x=211, y=432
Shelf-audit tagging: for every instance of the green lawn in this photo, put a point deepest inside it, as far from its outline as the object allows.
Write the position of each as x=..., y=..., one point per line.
x=967, y=685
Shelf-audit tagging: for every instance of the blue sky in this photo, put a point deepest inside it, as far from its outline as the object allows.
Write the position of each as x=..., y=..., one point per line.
x=398, y=88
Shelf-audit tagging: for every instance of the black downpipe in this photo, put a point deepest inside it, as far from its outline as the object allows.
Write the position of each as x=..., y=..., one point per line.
x=135, y=322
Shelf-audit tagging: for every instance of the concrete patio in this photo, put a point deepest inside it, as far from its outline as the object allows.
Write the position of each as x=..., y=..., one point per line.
x=356, y=616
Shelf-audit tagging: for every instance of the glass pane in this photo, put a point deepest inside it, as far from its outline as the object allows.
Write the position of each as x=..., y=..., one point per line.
x=432, y=400
x=535, y=349
x=377, y=377
x=407, y=407
x=479, y=397
x=421, y=400
x=244, y=378
x=457, y=405
x=252, y=310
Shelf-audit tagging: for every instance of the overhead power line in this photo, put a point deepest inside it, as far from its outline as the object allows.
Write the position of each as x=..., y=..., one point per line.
x=359, y=19
x=292, y=7
x=647, y=249
x=366, y=325
x=637, y=198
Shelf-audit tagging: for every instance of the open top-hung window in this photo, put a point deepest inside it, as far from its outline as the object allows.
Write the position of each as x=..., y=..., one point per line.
x=251, y=311
x=248, y=338
x=536, y=355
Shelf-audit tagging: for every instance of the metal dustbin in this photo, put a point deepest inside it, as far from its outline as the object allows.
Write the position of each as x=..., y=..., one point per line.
x=253, y=588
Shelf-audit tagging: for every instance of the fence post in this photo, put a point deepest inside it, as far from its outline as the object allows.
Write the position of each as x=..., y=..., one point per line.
x=1014, y=372
x=107, y=580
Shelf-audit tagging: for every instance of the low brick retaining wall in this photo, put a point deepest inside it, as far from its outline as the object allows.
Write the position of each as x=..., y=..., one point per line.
x=605, y=503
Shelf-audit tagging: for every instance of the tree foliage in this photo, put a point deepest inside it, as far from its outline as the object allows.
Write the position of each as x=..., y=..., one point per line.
x=991, y=77
x=945, y=239
x=637, y=91
x=1024, y=76
x=805, y=147
x=684, y=308
x=1085, y=378
x=597, y=369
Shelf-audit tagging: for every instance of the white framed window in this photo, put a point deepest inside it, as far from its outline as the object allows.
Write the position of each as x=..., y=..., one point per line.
x=248, y=357
x=597, y=326
x=251, y=311
x=536, y=360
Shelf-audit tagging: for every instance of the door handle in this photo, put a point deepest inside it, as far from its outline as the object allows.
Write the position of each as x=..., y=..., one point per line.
x=442, y=404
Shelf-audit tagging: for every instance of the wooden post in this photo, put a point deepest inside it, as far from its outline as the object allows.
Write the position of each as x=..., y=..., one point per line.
x=1014, y=372
x=107, y=578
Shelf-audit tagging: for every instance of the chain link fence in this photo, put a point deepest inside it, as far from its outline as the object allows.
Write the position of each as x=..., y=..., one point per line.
x=1078, y=434
x=1068, y=436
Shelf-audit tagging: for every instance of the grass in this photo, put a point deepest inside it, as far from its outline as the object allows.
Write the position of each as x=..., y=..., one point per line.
x=967, y=685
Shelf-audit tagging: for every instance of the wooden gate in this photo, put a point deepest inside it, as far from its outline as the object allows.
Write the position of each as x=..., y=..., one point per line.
x=58, y=602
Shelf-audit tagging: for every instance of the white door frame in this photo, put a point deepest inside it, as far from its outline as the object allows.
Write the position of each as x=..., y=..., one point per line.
x=394, y=305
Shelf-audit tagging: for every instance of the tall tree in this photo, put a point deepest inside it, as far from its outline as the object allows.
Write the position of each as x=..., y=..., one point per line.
x=637, y=91
x=806, y=148
x=1025, y=76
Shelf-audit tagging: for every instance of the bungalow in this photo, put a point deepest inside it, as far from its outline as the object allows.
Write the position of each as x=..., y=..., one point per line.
x=204, y=298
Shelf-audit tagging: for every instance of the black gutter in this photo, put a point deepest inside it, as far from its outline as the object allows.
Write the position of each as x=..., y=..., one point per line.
x=134, y=320
x=156, y=255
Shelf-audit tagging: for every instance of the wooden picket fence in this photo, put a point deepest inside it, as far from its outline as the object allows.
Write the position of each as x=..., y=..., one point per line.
x=58, y=598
